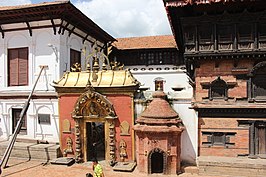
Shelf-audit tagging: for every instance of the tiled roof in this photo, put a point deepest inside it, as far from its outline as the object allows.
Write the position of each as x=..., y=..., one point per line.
x=147, y=42
x=197, y=2
x=32, y=5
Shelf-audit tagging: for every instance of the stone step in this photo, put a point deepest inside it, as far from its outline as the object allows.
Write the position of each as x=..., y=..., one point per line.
x=190, y=169
x=232, y=166
x=32, y=150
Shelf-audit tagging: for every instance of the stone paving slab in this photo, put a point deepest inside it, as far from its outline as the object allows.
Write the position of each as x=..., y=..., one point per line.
x=36, y=168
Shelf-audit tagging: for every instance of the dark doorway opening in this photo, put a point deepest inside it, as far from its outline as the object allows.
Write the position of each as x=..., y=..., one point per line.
x=157, y=162
x=260, y=143
x=15, y=118
x=95, y=141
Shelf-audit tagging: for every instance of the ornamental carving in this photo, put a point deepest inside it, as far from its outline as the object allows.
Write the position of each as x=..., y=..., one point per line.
x=69, y=146
x=258, y=67
x=123, y=150
x=93, y=104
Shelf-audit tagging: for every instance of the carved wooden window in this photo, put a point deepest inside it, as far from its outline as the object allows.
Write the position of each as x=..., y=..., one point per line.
x=257, y=83
x=218, y=138
x=75, y=57
x=190, y=37
x=218, y=90
x=225, y=37
x=18, y=67
x=205, y=35
x=262, y=35
x=245, y=36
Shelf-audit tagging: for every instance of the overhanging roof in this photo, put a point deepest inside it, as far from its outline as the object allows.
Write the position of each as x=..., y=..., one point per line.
x=63, y=10
x=178, y=9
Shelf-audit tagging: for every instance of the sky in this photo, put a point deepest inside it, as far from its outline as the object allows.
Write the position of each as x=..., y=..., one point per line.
x=119, y=18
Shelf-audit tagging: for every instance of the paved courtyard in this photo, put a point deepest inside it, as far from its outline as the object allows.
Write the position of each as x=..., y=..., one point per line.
x=34, y=168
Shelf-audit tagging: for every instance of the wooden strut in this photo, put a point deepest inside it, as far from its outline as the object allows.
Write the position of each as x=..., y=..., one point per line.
x=10, y=146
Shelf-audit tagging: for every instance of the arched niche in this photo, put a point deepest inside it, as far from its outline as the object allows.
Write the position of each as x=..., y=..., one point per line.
x=157, y=161
x=18, y=41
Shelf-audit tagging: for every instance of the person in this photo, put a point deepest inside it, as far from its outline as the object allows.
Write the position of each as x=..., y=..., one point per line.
x=97, y=169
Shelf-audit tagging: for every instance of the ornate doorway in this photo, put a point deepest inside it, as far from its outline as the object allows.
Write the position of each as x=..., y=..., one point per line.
x=95, y=117
x=95, y=138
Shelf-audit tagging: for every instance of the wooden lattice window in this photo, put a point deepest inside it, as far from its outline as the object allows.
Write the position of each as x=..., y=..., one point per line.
x=218, y=138
x=225, y=35
x=18, y=67
x=190, y=37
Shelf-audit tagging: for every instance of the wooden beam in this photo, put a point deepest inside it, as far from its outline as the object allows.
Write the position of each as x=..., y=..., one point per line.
x=53, y=24
x=64, y=28
x=71, y=31
x=1, y=30
x=85, y=38
x=61, y=26
x=29, y=27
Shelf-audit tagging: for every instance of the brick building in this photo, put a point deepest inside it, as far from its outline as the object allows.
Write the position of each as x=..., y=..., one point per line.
x=224, y=48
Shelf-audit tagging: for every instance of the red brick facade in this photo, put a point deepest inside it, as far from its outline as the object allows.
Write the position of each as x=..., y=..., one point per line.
x=123, y=106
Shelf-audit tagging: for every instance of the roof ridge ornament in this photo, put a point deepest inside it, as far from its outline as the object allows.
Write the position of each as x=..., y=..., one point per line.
x=96, y=58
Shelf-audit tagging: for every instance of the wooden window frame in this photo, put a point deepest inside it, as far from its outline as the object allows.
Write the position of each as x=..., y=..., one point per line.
x=218, y=85
x=212, y=138
x=19, y=72
x=257, y=71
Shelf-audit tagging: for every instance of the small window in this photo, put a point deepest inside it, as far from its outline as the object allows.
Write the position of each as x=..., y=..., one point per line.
x=159, y=84
x=75, y=57
x=44, y=119
x=218, y=138
x=218, y=89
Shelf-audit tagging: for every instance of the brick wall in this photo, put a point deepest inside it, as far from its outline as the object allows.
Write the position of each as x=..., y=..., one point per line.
x=209, y=71
x=238, y=143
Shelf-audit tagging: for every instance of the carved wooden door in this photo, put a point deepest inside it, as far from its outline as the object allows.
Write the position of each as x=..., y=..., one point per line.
x=261, y=139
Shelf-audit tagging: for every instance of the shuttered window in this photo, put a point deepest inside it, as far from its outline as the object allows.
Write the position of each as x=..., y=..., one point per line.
x=18, y=67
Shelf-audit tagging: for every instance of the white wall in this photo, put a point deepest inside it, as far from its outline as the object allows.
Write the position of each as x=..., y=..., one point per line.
x=181, y=102
x=45, y=48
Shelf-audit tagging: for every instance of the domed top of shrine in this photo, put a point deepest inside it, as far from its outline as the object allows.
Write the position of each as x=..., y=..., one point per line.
x=159, y=108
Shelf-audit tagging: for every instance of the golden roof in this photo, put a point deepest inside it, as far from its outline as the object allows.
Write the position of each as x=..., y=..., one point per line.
x=103, y=78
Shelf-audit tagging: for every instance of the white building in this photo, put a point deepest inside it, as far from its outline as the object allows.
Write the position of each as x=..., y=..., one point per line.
x=156, y=63
x=55, y=34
